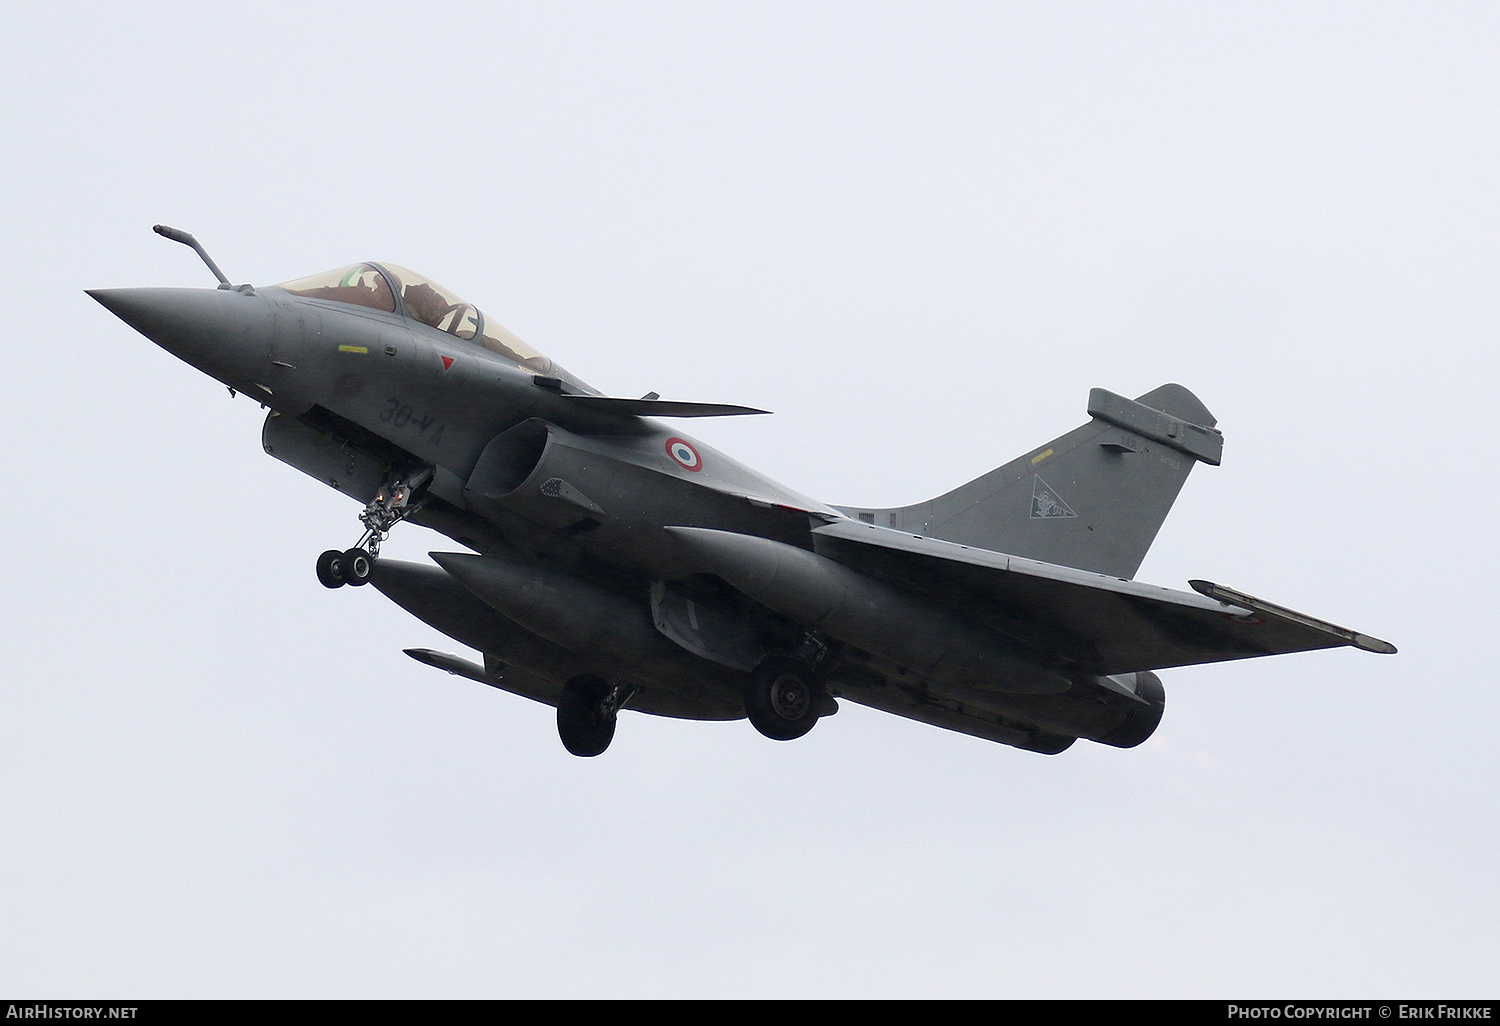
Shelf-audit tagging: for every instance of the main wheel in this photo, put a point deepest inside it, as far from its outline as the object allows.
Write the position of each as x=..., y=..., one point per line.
x=583, y=724
x=355, y=566
x=781, y=698
x=330, y=569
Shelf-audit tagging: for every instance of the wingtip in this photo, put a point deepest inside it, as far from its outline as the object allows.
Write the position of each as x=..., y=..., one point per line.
x=1229, y=596
x=1368, y=644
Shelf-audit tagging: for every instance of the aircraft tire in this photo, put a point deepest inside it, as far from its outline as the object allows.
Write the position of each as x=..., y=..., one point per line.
x=355, y=566
x=781, y=698
x=584, y=727
x=330, y=569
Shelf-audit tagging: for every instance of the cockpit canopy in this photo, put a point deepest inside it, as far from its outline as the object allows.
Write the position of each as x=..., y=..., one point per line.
x=394, y=289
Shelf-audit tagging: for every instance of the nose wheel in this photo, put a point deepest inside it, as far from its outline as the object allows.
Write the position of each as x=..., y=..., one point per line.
x=391, y=505
x=354, y=566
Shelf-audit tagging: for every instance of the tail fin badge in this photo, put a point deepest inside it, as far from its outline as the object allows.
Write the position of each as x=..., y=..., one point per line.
x=1046, y=504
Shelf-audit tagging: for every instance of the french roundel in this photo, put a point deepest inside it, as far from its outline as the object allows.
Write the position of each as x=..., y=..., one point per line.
x=684, y=455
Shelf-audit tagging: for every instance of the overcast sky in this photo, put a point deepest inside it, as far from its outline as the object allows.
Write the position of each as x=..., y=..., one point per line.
x=919, y=233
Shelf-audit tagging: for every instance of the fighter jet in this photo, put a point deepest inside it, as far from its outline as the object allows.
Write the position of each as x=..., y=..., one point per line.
x=615, y=563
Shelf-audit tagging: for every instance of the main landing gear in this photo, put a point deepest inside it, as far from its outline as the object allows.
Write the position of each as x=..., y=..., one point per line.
x=783, y=698
x=586, y=712
x=391, y=505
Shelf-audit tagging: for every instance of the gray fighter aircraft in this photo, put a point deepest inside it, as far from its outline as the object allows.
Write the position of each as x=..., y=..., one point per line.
x=617, y=563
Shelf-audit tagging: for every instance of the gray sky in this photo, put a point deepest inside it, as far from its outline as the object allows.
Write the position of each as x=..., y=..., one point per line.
x=918, y=232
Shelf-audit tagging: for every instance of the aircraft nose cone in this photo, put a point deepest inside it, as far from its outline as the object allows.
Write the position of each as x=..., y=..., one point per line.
x=133, y=306
x=176, y=319
x=221, y=332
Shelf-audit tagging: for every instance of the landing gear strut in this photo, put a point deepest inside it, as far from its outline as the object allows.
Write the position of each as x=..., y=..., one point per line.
x=586, y=712
x=391, y=505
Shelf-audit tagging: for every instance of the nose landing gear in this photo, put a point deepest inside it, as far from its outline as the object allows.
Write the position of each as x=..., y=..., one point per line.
x=391, y=505
x=354, y=566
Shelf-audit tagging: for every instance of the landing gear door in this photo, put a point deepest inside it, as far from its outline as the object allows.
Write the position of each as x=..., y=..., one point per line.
x=324, y=456
x=706, y=629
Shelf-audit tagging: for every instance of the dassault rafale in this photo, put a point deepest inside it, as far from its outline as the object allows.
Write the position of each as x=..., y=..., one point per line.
x=616, y=563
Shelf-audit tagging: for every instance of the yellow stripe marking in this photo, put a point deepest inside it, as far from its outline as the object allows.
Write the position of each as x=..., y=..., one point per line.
x=354, y=349
x=1035, y=459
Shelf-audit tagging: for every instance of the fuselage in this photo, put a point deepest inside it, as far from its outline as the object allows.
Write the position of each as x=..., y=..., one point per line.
x=437, y=399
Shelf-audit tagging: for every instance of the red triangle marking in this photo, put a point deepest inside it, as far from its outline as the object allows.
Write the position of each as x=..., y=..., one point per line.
x=447, y=362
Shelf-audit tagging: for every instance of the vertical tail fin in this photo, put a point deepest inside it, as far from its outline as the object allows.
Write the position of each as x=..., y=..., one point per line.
x=1092, y=499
